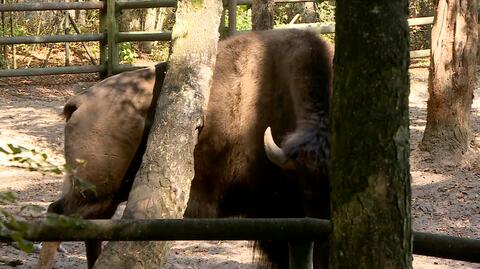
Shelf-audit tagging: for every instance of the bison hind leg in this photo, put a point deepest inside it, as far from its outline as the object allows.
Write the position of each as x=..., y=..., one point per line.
x=47, y=255
x=57, y=207
x=272, y=254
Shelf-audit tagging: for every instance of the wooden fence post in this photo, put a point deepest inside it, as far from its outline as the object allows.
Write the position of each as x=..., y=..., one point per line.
x=232, y=17
x=112, y=30
x=102, y=28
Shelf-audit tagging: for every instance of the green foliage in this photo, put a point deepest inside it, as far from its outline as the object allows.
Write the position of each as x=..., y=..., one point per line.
x=3, y=61
x=10, y=226
x=326, y=12
x=197, y=4
x=7, y=197
x=420, y=35
x=127, y=53
x=160, y=52
x=11, y=223
x=244, y=18
x=83, y=186
x=65, y=221
x=30, y=159
x=284, y=13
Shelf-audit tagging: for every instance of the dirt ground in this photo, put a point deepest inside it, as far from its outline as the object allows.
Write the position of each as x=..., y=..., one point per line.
x=446, y=199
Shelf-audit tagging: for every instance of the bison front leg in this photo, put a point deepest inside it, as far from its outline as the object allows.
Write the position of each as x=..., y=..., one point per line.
x=47, y=255
x=93, y=249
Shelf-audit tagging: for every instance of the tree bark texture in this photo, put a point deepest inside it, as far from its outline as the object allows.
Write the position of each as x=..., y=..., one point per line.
x=162, y=185
x=149, y=15
x=370, y=180
x=451, y=80
x=263, y=14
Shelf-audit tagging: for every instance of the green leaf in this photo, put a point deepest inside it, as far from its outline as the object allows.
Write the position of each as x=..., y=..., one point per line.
x=65, y=221
x=7, y=197
x=34, y=208
x=84, y=185
x=56, y=170
x=23, y=244
x=14, y=149
x=4, y=151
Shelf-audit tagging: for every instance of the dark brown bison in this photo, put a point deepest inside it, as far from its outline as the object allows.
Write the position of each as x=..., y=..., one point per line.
x=277, y=79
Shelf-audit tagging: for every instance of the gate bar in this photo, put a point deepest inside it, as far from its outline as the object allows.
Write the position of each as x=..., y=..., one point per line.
x=51, y=70
x=51, y=6
x=143, y=36
x=145, y=4
x=51, y=39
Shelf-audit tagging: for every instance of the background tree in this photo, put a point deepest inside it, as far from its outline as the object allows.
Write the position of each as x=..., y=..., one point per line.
x=263, y=15
x=420, y=35
x=370, y=182
x=162, y=185
x=145, y=19
x=451, y=80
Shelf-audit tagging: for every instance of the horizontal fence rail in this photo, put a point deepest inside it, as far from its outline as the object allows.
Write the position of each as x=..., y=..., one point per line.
x=52, y=39
x=143, y=36
x=304, y=229
x=52, y=70
x=146, y=4
x=51, y=6
x=318, y=27
x=249, y=2
x=420, y=21
x=109, y=65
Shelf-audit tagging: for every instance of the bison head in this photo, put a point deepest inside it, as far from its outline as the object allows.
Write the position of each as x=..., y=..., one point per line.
x=305, y=155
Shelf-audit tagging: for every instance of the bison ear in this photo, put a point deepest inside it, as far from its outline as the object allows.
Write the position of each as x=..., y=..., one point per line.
x=274, y=153
x=68, y=110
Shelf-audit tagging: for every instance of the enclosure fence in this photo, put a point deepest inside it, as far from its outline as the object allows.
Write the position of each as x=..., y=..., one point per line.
x=300, y=232
x=109, y=36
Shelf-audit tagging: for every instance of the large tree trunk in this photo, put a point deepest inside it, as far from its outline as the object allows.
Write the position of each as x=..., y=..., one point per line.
x=162, y=185
x=370, y=182
x=263, y=14
x=451, y=80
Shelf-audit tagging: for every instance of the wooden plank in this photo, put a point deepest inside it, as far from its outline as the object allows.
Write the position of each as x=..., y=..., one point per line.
x=420, y=21
x=420, y=53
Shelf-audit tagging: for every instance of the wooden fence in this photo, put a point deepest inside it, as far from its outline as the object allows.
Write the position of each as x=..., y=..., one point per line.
x=109, y=36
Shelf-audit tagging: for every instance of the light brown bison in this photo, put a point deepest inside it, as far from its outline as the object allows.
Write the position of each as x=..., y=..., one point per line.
x=277, y=79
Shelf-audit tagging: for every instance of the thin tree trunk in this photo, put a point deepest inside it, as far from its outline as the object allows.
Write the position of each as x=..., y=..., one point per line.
x=263, y=14
x=149, y=15
x=370, y=181
x=162, y=185
x=451, y=80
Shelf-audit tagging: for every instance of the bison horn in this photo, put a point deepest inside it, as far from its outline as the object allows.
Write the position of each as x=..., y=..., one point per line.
x=274, y=153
